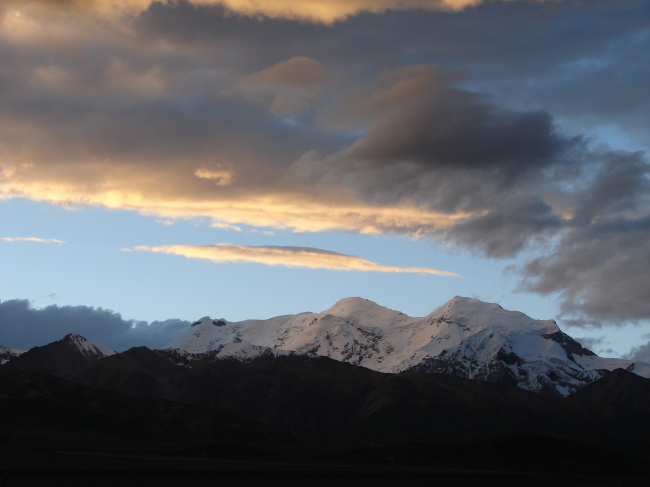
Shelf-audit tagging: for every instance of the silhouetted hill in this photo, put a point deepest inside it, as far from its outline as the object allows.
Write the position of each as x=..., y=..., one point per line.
x=317, y=411
x=137, y=371
x=63, y=358
x=320, y=399
x=58, y=410
x=621, y=388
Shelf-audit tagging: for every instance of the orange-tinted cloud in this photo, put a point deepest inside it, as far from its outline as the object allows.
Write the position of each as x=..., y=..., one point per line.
x=301, y=212
x=310, y=258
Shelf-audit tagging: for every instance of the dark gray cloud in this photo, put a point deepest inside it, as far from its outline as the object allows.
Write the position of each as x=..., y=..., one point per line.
x=430, y=144
x=600, y=272
x=508, y=228
x=618, y=186
x=585, y=61
x=415, y=120
x=588, y=210
x=23, y=327
x=600, y=265
x=439, y=145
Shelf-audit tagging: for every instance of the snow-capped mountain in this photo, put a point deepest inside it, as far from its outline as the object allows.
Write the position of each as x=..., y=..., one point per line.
x=464, y=337
x=7, y=354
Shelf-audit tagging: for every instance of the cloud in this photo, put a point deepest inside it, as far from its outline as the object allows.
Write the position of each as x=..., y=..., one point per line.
x=437, y=145
x=600, y=272
x=508, y=227
x=314, y=10
x=23, y=327
x=285, y=256
x=225, y=226
x=414, y=116
x=599, y=267
x=300, y=212
x=220, y=177
x=299, y=71
x=592, y=342
x=641, y=353
x=519, y=180
x=290, y=85
x=32, y=239
x=429, y=144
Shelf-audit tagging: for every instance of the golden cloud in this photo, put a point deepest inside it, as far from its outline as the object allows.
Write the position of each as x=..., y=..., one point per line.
x=305, y=257
x=221, y=178
x=174, y=198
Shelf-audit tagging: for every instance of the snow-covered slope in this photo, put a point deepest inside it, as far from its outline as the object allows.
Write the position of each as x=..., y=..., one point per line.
x=7, y=354
x=465, y=337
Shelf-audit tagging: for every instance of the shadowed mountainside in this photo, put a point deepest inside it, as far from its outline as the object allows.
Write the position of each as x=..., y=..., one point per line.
x=62, y=358
x=309, y=417
x=320, y=399
x=621, y=388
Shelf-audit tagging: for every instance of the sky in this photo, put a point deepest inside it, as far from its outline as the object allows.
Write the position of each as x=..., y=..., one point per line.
x=162, y=161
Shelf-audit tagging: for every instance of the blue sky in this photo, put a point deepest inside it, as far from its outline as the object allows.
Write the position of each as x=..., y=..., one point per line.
x=504, y=142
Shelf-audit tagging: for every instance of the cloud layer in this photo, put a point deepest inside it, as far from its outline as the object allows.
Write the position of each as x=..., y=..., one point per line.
x=326, y=11
x=286, y=256
x=23, y=327
x=468, y=126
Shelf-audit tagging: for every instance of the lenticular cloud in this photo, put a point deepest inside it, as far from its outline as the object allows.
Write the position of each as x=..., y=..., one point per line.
x=306, y=257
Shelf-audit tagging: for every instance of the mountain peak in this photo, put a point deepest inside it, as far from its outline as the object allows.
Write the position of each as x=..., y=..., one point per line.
x=87, y=347
x=363, y=310
x=7, y=354
x=206, y=320
x=479, y=315
x=353, y=304
x=465, y=337
x=74, y=338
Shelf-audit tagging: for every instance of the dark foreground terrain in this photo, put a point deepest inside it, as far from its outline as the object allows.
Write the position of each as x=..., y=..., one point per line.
x=140, y=420
x=505, y=461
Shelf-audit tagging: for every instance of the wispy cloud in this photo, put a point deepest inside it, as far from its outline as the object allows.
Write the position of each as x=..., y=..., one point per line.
x=32, y=239
x=226, y=226
x=307, y=257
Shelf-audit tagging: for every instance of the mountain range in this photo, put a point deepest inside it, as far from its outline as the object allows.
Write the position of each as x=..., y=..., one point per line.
x=464, y=337
x=356, y=378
